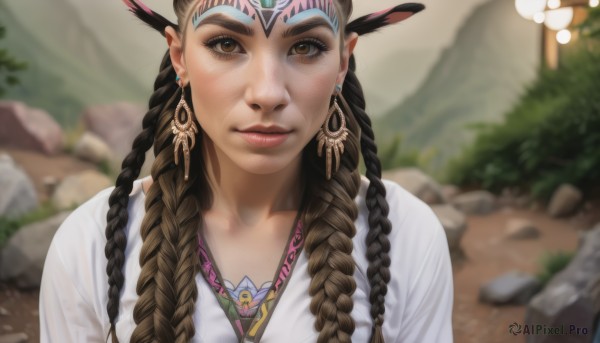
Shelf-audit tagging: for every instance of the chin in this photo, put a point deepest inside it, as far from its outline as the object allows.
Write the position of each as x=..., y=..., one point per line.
x=267, y=164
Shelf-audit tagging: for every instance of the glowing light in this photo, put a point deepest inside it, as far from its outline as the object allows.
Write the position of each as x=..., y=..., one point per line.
x=528, y=8
x=563, y=36
x=553, y=4
x=539, y=17
x=559, y=19
x=594, y=3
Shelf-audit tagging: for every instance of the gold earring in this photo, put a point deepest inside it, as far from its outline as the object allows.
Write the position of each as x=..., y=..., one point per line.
x=185, y=133
x=333, y=142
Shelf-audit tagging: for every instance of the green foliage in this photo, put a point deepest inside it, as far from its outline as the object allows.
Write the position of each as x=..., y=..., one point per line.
x=395, y=155
x=551, y=137
x=8, y=66
x=8, y=226
x=552, y=263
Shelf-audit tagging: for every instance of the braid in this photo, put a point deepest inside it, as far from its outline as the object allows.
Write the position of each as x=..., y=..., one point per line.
x=117, y=215
x=378, y=244
x=330, y=216
x=166, y=286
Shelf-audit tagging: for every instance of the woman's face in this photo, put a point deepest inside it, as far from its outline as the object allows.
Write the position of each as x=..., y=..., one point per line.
x=262, y=74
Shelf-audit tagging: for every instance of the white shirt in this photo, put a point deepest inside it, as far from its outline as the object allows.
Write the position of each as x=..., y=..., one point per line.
x=418, y=305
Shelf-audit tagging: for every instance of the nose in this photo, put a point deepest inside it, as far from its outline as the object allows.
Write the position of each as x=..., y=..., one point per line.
x=266, y=90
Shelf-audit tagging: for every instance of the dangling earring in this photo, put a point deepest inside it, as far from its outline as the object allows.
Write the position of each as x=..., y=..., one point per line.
x=183, y=131
x=332, y=141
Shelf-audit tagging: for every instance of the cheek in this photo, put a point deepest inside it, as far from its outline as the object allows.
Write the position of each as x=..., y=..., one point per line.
x=313, y=93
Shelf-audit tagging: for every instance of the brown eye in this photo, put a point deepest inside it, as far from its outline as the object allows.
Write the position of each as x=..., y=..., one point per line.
x=302, y=49
x=224, y=46
x=228, y=45
x=308, y=48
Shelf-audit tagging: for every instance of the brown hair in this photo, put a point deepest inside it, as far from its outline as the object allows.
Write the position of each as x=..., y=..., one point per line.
x=166, y=287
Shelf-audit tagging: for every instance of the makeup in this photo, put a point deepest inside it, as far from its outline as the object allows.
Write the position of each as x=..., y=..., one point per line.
x=291, y=12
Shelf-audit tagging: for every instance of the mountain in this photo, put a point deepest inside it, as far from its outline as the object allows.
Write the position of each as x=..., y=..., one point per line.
x=477, y=79
x=68, y=66
x=393, y=77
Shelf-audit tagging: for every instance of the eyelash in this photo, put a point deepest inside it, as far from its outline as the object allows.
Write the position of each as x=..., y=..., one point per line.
x=212, y=43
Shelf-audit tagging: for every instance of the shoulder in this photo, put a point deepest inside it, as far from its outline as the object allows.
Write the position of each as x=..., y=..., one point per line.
x=87, y=223
x=77, y=249
x=420, y=291
x=414, y=224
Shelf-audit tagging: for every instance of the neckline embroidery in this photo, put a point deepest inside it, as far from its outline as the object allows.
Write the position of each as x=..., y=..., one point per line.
x=250, y=329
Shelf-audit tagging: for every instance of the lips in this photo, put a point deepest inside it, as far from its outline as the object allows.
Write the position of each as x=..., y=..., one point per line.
x=261, y=136
x=262, y=129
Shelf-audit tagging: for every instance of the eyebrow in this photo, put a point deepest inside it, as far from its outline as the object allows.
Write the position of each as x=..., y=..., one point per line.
x=225, y=22
x=307, y=26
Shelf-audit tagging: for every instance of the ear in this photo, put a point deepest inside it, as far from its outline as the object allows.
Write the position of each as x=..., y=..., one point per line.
x=176, y=52
x=349, y=44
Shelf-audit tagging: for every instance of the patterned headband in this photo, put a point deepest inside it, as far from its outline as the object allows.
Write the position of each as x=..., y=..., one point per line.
x=363, y=25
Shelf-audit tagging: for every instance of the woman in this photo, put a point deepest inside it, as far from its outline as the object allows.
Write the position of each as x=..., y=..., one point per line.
x=256, y=121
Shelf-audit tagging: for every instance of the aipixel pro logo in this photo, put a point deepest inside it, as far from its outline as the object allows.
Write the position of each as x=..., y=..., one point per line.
x=545, y=330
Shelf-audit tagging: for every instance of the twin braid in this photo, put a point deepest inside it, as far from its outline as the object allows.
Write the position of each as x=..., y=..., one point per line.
x=378, y=244
x=117, y=215
x=330, y=215
x=169, y=263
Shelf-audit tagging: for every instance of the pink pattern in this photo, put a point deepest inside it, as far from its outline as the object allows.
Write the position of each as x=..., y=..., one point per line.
x=295, y=245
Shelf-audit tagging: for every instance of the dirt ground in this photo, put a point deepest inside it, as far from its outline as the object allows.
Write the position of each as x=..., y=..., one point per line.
x=487, y=255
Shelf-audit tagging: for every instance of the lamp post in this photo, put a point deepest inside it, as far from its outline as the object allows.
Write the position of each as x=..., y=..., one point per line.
x=557, y=16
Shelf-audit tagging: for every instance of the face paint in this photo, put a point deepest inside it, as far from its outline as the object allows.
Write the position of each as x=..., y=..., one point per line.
x=237, y=9
x=268, y=11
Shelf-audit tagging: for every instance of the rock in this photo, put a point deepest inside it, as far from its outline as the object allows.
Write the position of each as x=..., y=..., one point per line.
x=521, y=229
x=7, y=328
x=14, y=338
x=29, y=128
x=92, y=148
x=454, y=223
x=511, y=288
x=564, y=201
x=50, y=183
x=22, y=258
x=476, y=202
x=4, y=312
x=571, y=297
x=418, y=183
x=450, y=191
x=117, y=124
x=77, y=189
x=18, y=195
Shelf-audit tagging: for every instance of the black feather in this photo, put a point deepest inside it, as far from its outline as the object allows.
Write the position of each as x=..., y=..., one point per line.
x=364, y=24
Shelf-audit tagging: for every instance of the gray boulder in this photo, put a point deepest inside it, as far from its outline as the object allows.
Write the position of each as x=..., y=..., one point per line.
x=518, y=229
x=22, y=258
x=564, y=201
x=511, y=288
x=92, y=148
x=117, y=124
x=476, y=202
x=29, y=128
x=572, y=297
x=77, y=189
x=450, y=191
x=418, y=183
x=18, y=195
x=454, y=223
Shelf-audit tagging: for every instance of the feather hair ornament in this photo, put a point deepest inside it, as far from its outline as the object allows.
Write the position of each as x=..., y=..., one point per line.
x=148, y=16
x=374, y=21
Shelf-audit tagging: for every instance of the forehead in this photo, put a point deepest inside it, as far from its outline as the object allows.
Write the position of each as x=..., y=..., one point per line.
x=268, y=11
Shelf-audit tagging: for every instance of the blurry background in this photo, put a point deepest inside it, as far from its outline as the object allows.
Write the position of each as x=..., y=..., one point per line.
x=477, y=108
